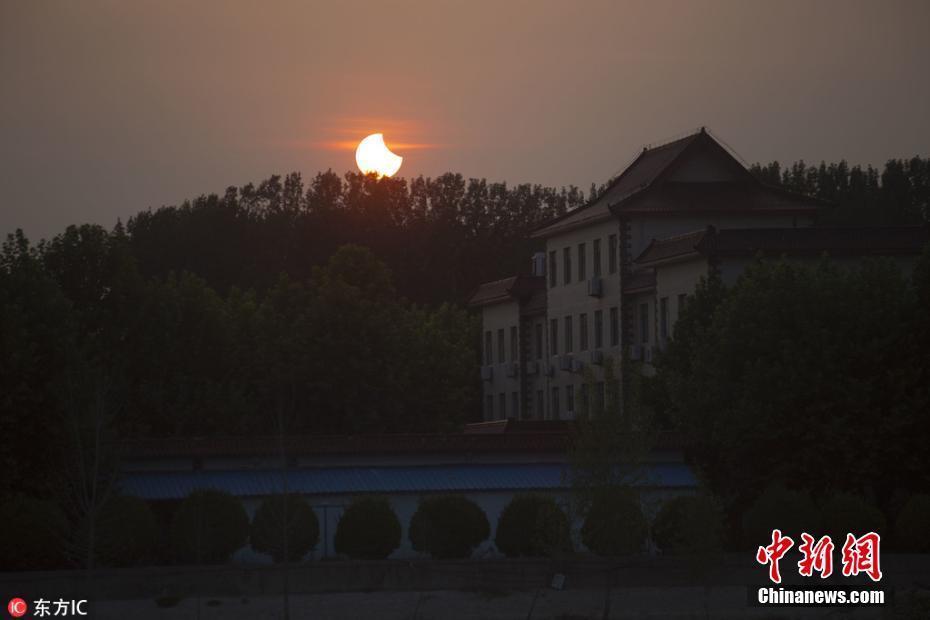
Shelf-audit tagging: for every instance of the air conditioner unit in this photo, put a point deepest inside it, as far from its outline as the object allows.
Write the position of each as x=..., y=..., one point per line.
x=569, y=415
x=596, y=286
x=647, y=354
x=636, y=352
x=565, y=362
x=532, y=368
x=597, y=356
x=577, y=365
x=539, y=264
x=512, y=369
x=487, y=373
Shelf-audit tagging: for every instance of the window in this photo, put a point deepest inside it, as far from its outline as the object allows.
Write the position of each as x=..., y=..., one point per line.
x=489, y=407
x=598, y=329
x=599, y=397
x=682, y=298
x=554, y=336
x=570, y=399
x=553, y=276
x=596, y=257
x=644, y=322
x=569, y=345
x=539, y=341
x=502, y=399
x=515, y=405
x=612, y=254
x=583, y=332
x=585, y=405
x=540, y=405
x=614, y=327
x=663, y=318
x=554, y=405
x=514, y=344
x=501, y=354
x=582, y=263
x=567, y=264
x=488, y=351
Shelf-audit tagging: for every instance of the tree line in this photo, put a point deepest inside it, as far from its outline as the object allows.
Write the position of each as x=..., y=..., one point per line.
x=812, y=378
x=223, y=313
x=91, y=346
x=898, y=194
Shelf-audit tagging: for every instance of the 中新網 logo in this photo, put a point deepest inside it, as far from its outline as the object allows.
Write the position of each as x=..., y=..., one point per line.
x=859, y=555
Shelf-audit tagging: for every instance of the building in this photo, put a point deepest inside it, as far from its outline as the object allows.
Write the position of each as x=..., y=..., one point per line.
x=488, y=463
x=613, y=275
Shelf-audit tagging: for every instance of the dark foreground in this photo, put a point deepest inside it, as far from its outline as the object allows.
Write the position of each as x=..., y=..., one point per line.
x=639, y=587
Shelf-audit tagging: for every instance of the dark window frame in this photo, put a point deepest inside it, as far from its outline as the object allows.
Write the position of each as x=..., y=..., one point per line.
x=582, y=262
x=567, y=265
x=583, y=331
x=612, y=251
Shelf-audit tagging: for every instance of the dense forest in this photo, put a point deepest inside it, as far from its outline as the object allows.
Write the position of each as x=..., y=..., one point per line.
x=334, y=306
x=829, y=366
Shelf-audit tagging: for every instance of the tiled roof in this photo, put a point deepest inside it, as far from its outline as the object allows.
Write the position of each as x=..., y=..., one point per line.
x=640, y=282
x=644, y=170
x=492, y=292
x=514, y=288
x=529, y=437
x=723, y=197
x=461, y=478
x=327, y=445
x=646, y=186
x=671, y=247
x=815, y=240
x=519, y=426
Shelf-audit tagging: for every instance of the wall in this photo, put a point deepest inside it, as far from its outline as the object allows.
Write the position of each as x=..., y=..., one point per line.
x=573, y=300
x=672, y=280
x=505, y=315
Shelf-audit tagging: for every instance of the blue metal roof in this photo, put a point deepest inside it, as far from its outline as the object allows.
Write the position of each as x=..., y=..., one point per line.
x=356, y=480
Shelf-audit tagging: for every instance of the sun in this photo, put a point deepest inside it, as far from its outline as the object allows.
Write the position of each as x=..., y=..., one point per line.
x=372, y=155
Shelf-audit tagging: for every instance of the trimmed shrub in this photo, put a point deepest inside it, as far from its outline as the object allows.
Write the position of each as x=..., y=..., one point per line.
x=32, y=534
x=448, y=526
x=845, y=513
x=208, y=527
x=126, y=532
x=689, y=524
x=911, y=531
x=368, y=530
x=285, y=521
x=614, y=524
x=533, y=526
x=792, y=512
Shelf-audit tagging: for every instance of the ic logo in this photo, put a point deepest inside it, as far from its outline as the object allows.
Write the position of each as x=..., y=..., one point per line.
x=17, y=607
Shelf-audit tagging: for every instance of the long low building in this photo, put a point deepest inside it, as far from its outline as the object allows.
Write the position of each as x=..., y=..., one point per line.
x=489, y=463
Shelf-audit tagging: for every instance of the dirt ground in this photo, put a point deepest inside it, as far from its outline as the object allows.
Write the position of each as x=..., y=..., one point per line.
x=625, y=603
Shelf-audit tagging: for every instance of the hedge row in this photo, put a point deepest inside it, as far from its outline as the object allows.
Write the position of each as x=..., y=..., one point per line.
x=837, y=514
x=209, y=526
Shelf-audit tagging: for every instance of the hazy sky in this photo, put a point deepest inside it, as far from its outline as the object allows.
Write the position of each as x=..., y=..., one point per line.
x=107, y=108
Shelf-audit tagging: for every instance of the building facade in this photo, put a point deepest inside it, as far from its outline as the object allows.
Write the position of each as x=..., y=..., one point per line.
x=612, y=276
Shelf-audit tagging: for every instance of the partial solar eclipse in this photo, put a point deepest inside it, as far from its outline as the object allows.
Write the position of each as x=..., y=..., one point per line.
x=372, y=155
